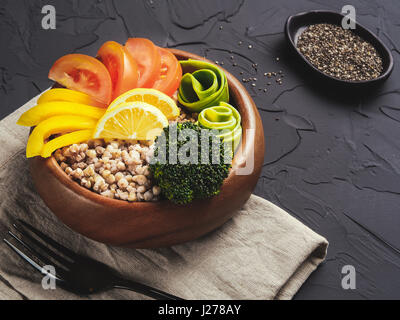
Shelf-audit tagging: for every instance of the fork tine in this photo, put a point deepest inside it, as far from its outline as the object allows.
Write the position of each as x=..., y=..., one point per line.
x=65, y=251
x=39, y=255
x=28, y=259
x=45, y=249
x=23, y=256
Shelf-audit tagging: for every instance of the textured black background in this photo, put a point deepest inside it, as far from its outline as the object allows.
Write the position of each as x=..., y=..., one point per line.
x=332, y=157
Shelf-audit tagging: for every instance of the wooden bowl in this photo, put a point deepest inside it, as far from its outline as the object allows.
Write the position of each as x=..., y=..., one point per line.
x=155, y=224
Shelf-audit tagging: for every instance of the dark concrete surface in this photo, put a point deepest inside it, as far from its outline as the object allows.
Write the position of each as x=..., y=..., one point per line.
x=332, y=157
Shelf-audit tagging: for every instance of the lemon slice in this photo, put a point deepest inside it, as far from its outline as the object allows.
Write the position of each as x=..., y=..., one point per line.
x=151, y=96
x=131, y=120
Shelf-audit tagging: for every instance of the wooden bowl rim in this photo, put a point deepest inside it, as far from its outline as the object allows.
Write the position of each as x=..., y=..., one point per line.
x=238, y=160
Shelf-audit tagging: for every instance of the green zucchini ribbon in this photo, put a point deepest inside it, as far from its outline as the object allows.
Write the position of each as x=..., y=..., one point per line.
x=224, y=118
x=205, y=87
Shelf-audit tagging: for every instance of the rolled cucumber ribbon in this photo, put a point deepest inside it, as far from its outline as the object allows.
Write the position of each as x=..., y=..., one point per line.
x=205, y=87
x=224, y=118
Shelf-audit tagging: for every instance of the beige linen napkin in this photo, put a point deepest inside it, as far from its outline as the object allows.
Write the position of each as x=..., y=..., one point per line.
x=262, y=253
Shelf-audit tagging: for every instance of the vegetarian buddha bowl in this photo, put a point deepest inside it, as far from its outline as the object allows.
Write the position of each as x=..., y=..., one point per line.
x=95, y=155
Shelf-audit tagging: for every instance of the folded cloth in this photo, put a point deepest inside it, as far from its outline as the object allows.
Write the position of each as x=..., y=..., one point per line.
x=261, y=253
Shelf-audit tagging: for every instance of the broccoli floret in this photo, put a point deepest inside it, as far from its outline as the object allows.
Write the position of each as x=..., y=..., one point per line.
x=183, y=182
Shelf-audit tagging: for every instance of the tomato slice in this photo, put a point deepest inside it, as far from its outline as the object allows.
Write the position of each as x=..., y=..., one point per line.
x=171, y=73
x=121, y=66
x=85, y=74
x=148, y=59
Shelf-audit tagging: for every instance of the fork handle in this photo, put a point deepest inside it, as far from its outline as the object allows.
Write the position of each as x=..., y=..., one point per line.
x=143, y=289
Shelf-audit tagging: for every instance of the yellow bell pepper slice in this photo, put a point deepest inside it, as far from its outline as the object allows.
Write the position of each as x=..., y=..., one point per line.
x=58, y=124
x=62, y=94
x=46, y=110
x=66, y=140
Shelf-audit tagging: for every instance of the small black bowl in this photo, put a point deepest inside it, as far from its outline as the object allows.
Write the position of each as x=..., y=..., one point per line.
x=296, y=24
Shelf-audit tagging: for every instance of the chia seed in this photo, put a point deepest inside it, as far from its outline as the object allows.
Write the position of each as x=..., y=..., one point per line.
x=340, y=53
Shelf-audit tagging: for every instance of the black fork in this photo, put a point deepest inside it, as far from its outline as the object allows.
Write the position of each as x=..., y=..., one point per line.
x=75, y=273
